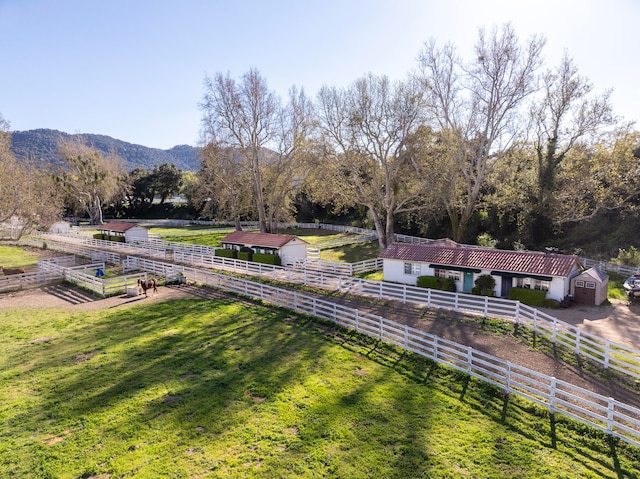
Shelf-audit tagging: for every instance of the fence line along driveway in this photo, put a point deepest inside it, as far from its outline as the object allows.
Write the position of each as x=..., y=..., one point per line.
x=606, y=414
x=602, y=351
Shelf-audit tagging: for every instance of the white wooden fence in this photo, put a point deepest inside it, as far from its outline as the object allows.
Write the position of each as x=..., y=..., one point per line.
x=604, y=413
x=602, y=351
x=34, y=279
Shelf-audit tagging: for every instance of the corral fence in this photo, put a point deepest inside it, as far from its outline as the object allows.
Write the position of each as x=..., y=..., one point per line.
x=338, y=267
x=603, y=413
x=602, y=351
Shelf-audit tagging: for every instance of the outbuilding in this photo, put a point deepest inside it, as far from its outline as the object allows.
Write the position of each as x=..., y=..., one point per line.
x=130, y=232
x=290, y=248
x=590, y=287
x=550, y=272
x=60, y=227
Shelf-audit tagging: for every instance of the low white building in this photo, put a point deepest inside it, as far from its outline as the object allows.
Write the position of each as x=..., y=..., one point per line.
x=290, y=248
x=403, y=263
x=60, y=227
x=131, y=232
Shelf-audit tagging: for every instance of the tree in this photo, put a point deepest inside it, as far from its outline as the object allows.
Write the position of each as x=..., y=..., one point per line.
x=362, y=158
x=167, y=180
x=566, y=114
x=90, y=179
x=477, y=104
x=28, y=197
x=252, y=137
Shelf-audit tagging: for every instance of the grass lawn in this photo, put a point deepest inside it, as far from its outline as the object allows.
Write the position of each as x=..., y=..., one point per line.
x=615, y=289
x=222, y=389
x=352, y=253
x=15, y=257
x=197, y=234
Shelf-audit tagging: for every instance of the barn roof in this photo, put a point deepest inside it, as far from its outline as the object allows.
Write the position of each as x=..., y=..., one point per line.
x=267, y=240
x=118, y=226
x=522, y=262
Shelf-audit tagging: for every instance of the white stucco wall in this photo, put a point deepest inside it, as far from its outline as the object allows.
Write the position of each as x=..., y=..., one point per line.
x=294, y=250
x=137, y=233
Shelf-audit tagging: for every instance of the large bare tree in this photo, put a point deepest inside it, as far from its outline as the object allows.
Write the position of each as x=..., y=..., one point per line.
x=28, y=197
x=90, y=179
x=477, y=104
x=567, y=113
x=363, y=158
x=247, y=122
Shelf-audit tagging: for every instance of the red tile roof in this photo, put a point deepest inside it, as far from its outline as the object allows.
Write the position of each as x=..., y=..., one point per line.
x=268, y=240
x=523, y=262
x=118, y=226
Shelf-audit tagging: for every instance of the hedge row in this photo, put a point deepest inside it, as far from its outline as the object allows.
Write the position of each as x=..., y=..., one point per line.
x=247, y=256
x=100, y=236
x=532, y=297
x=433, y=282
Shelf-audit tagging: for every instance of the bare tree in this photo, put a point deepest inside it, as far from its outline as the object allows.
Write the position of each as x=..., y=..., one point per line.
x=477, y=104
x=27, y=196
x=363, y=157
x=242, y=116
x=566, y=113
x=90, y=179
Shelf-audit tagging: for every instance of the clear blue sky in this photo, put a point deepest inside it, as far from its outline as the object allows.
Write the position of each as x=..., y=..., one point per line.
x=134, y=69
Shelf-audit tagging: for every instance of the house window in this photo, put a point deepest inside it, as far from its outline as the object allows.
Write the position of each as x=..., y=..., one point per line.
x=532, y=283
x=412, y=269
x=447, y=273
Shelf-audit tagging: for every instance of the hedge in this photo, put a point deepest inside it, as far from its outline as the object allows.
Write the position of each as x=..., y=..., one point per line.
x=245, y=255
x=226, y=253
x=532, y=297
x=267, y=259
x=433, y=282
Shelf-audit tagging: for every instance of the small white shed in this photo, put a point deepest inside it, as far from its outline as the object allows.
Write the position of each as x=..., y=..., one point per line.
x=131, y=232
x=590, y=287
x=60, y=227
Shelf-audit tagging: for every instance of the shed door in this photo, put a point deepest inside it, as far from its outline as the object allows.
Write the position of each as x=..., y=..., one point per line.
x=585, y=292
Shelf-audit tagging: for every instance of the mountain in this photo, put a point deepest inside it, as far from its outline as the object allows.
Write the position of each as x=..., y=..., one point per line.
x=41, y=145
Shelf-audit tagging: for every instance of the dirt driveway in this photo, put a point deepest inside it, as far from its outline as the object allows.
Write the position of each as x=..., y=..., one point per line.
x=619, y=321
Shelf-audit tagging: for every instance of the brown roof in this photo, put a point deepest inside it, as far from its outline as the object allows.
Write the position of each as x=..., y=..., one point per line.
x=118, y=226
x=526, y=262
x=268, y=240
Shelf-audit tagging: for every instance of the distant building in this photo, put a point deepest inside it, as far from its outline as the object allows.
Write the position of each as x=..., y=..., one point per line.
x=590, y=287
x=60, y=227
x=549, y=272
x=131, y=232
x=290, y=248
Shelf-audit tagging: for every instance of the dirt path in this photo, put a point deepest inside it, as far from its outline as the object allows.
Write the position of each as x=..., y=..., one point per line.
x=446, y=324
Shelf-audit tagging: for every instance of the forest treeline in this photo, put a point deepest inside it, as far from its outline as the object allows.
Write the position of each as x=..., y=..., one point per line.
x=494, y=148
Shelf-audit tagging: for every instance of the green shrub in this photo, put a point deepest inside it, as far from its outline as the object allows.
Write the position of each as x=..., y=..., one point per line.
x=486, y=292
x=475, y=290
x=225, y=253
x=485, y=282
x=267, y=259
x=630, y=257
x=532, y=297
x=117, y=239
x=244, y=255
x=433, y=282
x=98, y=236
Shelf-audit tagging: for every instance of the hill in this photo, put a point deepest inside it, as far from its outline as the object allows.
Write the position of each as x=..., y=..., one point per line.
x=41, y=145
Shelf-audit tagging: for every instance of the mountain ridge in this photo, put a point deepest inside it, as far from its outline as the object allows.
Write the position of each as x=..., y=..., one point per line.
x=41, y=146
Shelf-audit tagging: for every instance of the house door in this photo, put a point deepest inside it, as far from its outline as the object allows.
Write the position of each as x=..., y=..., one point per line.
x=507, y=283
x=467, y=283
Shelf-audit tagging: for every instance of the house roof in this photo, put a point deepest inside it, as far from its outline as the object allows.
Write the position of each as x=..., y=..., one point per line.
x=595, y=274
x=522, y=262
x=267, y=240
x=118, y=226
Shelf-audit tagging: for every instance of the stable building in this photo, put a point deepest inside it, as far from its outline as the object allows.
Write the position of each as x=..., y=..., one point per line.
x=124, y=232
x=290, y=248
x=550, y=272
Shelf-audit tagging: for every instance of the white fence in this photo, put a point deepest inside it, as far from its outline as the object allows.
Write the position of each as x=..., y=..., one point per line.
x=602, y=351
x=35, y=279
x=604, y=413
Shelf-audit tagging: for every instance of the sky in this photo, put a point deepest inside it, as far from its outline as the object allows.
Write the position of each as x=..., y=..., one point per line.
x=135, y=69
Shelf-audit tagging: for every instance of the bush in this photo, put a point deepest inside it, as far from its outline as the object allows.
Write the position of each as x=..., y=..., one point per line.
x=485, y=282
x=433, y=282
x=245, y=255
x=532, y=297
x=225, y=253
x=117, y=239
x=630, y=257
x=267, y=259
x=98, y=236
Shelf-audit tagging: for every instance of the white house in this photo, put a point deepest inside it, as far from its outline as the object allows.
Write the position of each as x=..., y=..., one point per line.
x=290, y=248
x=60, y=227
x=132, y=232
x=403, y=263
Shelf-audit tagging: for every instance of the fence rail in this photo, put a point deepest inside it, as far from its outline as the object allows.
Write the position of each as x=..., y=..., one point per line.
x=604, y=413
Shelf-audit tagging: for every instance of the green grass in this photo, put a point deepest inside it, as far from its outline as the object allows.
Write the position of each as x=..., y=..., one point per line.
x=197, y=234
x=13, y=256
x=222, y=389
x=352, y=253
x=616, y=289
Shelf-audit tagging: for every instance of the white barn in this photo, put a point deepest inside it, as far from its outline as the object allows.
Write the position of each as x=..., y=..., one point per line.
x=403, y=263
x=290, y=248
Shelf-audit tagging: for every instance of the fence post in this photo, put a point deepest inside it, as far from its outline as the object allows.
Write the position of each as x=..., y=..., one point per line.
x=552, y=396
x=607, y=353
x=610, y=406
x=507, y=379
x=435, y=348
x=517, y=312
x=357, y=320
x=578, y=340
x=469, y=359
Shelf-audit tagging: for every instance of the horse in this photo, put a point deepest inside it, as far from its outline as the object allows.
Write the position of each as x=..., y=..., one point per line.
x=8, y=271
x=146, y=284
